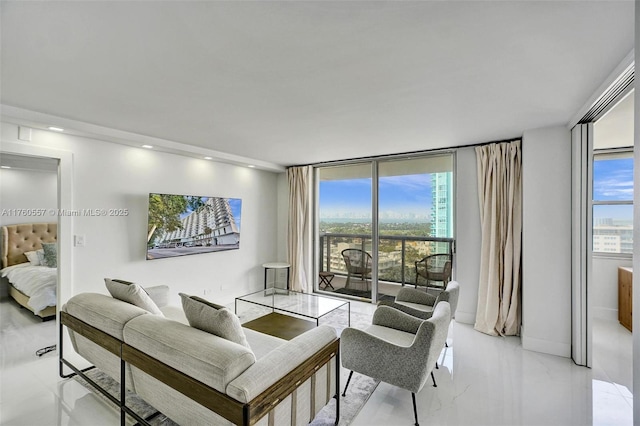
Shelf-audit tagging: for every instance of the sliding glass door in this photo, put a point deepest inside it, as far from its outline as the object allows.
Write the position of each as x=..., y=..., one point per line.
x=345, y=229
x=415, y=220
x=379, y=220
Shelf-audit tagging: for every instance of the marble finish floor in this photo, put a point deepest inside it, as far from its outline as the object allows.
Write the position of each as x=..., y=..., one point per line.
x=483, y=380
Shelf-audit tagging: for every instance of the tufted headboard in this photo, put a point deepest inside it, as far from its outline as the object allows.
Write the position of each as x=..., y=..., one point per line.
x=18, y=239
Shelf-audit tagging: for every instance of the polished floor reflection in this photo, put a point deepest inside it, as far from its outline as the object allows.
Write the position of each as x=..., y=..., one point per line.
x=483, y=380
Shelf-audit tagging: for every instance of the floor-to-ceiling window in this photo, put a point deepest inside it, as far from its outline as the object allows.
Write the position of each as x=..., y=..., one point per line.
x=377, y=218
x=345, y=228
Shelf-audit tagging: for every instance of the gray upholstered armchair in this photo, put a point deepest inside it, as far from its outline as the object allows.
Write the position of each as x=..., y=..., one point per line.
x=397, y=348
x=420, y=304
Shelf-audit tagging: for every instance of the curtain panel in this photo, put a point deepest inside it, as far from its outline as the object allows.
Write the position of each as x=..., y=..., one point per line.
x=299, y=227
x=500, y=198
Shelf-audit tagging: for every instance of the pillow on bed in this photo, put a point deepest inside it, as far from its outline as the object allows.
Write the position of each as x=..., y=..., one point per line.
x=214, y=319
x=36, y=257
x=132, y=293
x=50, y=254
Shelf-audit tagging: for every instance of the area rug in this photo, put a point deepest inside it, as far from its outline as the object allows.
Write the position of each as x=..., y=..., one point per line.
x=134, y=402
x=360, y=389
x=362, y=293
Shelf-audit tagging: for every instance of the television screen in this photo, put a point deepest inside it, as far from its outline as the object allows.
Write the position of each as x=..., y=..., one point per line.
x=179, y=225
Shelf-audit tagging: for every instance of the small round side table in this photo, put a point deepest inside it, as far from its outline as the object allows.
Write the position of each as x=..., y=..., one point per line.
x=276, y=266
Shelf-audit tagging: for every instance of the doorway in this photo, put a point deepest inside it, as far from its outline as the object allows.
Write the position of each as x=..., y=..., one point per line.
x=612, y=244
x=64, y=202
x=29, y=193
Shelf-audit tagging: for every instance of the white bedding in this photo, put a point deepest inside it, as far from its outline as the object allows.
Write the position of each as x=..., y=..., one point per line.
x=37, y=282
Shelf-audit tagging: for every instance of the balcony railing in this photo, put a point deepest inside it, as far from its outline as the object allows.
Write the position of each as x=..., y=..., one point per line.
x=396, y=254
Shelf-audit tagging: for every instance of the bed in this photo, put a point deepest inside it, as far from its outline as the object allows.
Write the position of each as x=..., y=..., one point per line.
x=32, y=284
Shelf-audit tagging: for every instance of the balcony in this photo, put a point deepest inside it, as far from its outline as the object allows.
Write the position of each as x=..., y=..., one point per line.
x=397, y=255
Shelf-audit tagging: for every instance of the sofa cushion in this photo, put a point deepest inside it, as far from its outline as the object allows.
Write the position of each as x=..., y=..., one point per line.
x=261, y=343
x=214, y=319
x=174, y=313
x=207, y=358
x=159, y=294
x=131, y=293
x=103, y=312
x=279, y=362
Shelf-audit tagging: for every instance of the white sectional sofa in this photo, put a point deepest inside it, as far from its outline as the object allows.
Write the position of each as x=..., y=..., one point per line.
x=198, y=378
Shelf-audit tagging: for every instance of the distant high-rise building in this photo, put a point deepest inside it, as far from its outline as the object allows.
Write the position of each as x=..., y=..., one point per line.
x=211, y=224
x=611, y=238
x=442, y=208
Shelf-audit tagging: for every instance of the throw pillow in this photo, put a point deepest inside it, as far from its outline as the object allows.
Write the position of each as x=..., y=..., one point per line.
x=40, y=254
x=131, y=293
x=35, y=257
x=214, y=319
x=50, y=254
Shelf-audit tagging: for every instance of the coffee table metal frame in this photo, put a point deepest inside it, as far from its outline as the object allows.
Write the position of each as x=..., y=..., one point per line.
x=272, y=292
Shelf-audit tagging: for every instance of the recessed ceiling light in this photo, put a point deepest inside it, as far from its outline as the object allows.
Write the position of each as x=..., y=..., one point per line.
x=5, y=167
x=56, y=129
x=208, y=158
x=251, y=165
x=147, y=146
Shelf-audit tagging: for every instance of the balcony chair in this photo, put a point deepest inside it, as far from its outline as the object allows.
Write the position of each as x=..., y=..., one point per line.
x=358, y=262
x=434, y=268
x=397, y=348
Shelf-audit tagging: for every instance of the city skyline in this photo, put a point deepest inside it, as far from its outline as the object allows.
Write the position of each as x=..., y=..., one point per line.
x=405, y=197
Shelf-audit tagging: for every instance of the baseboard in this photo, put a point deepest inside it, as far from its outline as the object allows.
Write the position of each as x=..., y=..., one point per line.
x=608, y=314
x=545, y=346
x=465, y=317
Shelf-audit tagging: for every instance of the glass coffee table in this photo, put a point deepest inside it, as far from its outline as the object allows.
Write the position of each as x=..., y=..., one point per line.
x=286, y=313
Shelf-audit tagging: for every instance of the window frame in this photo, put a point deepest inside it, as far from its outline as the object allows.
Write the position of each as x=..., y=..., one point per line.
x=603, y=153
x=374, y=162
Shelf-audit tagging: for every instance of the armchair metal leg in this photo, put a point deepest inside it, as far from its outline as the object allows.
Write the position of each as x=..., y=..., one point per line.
x=437, y=365
x=347, y=385
x=415, y=410
x=446, y=345
x=434, y=380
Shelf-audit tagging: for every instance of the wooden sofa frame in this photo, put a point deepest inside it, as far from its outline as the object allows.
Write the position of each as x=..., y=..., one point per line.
x=239, y=413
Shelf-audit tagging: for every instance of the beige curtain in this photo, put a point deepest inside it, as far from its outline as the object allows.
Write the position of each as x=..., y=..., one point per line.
x=299, y=235
x=500, y=196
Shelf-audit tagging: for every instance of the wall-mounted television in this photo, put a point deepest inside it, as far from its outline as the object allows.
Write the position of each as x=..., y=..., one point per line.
x=179, y=225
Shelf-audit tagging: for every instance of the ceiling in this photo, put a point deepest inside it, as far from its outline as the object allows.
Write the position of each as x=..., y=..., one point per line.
x=299, y=82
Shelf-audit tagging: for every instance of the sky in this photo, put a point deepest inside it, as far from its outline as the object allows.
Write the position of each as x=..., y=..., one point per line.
x=613, y=181
x=411, y=194
x=399, y=197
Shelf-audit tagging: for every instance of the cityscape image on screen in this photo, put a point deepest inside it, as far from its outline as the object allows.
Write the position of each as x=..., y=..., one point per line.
x=180, y=225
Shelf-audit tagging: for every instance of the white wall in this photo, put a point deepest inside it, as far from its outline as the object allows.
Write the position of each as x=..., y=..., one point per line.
x=546, y=251
x=604, y=286
x=468, y=235
x=26, y=189
x=112, y=176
